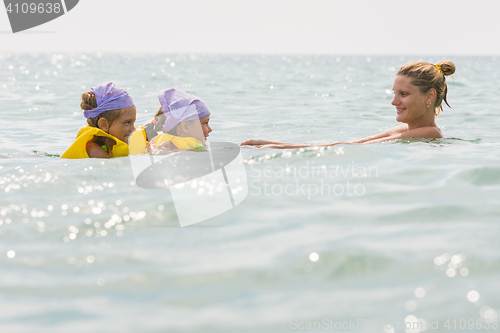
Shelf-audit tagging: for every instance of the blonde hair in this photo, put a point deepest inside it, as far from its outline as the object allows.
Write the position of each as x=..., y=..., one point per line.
x=427, y=76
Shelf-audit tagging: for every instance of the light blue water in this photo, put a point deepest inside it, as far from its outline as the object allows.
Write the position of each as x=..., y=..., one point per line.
x=401, y=229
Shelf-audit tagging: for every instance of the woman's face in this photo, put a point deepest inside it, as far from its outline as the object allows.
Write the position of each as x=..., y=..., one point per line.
x=122, y=127
x=410, y=103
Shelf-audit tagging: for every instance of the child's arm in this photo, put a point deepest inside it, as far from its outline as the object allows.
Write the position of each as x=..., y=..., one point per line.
x=95, y=151
x=154, y=126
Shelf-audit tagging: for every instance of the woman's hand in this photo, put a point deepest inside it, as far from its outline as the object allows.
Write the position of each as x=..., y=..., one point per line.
x=163, y=148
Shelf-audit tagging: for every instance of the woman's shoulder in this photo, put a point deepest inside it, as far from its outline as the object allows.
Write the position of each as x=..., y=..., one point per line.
x=399, y=129
x=423, y=132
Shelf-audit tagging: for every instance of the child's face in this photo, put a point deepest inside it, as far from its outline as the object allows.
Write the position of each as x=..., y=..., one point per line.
x=193, y=129
x=205, y=127
x=205, y=130
x=122, y=127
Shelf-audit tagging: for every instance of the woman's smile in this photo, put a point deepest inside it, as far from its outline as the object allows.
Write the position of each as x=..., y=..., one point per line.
x=408, y=100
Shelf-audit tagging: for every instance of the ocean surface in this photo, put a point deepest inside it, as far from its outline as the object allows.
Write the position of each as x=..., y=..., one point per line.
x=393, y=237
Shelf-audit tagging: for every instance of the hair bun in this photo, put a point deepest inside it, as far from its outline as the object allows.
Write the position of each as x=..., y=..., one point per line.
x=448, y=67
x=89, y=101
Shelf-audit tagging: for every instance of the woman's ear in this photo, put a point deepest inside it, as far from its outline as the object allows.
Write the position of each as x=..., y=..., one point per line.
x=103, y=124
x=431, y=96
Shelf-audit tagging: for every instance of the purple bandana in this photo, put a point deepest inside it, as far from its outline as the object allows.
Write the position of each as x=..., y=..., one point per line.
x=178, y=106
x=108, y=97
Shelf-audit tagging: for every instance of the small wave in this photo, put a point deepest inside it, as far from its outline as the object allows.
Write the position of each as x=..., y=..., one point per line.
x=483, y=176
x=42, y=153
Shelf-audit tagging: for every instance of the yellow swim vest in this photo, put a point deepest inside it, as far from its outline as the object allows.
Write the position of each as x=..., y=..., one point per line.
x=186, y=143
x=87, y=133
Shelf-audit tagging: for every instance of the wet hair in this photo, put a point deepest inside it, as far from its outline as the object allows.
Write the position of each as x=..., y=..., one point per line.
x=427, y=76
x=159, y=112
x=89, y=102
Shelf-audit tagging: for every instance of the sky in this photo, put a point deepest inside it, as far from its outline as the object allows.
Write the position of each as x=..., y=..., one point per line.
x=367, y=27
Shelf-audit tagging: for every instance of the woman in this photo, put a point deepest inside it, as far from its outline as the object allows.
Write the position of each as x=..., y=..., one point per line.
x=419, y=90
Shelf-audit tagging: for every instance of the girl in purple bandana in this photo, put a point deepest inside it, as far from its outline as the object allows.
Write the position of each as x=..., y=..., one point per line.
x=183, y=119
x=111, y=110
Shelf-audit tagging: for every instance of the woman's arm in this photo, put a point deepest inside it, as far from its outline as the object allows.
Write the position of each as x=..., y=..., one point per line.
x=422, y=132
x=259, y=143
x=305, y=145
x=395, y=133
x=388, y=133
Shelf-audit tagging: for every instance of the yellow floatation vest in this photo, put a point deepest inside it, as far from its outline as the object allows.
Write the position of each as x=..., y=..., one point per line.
x=87, y=133
x=187, y=143
x=138, y=141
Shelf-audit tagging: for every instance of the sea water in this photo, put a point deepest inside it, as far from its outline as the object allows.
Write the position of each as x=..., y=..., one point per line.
x=392, y=237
